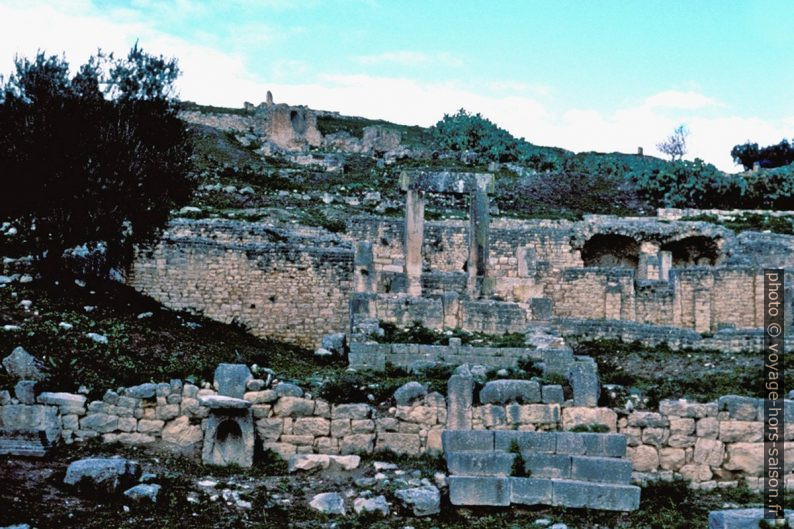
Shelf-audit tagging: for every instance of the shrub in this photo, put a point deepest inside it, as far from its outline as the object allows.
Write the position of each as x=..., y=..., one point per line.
x=519, y=469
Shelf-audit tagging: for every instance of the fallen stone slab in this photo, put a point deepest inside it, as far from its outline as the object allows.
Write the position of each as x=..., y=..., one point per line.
x=22, y=365
x=738, y=518
x=376, y=504
x=69, y=403
x=328, y=503
x=102, y=474
x=220, y=402
x=144, y=492
x=307, y=462
x=423, y=501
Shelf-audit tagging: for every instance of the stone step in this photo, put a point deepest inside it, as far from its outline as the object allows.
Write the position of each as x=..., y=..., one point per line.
x=540, y=465
x=568, y=443
x=504, y=491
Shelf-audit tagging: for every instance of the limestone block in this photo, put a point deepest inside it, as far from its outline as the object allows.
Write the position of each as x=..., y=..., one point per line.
x=695, y=472
x=655, y=436
x=547, y=465
x=601, y=469
x=504, y=391
x=261, y=397
x=362, y=426
x=465, y=490
x=351, y=411
x=357, y=444
x=231, y=379
x=709, y=452
x=681, y=441
x=167, y=412
x=282, y=449
x=460, y=392
x=575, y=416
x=746, y=458
x=740, y=408
x=682, y=426
x=671, y=458
x=293, y=407
x=181, y=433
x=270, y=429
x=132, y=438
x=68, y=403
x=741, y=431
x=127, y=424
x=539, y=442
x=314, y=426
x=99, y=422
x=645, y=419
x=480, y=463
x=467, y=440
x=531, y=491
x=399, y=443
x=708, y=427
x=533, y=413
x=644, y=458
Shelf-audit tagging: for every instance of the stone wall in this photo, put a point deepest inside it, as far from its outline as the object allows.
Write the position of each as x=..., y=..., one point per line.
x=275, y=283
x=711, y=444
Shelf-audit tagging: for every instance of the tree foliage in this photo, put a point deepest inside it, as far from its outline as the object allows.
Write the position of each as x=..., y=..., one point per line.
x=675, y=144
x=97, y=158
x=771, y=156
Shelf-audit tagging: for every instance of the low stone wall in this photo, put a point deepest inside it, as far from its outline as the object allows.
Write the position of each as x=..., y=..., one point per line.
x=724, y=340
x=714, y=444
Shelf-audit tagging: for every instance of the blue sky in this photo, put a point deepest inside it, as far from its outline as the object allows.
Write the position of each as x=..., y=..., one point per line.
x=585, y=75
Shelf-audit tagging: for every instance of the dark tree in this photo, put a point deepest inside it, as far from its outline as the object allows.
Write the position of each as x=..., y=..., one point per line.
x=97, y=158
x=748, y=154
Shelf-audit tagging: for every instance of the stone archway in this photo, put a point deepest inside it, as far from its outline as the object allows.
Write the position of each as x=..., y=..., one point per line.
x=611, y=251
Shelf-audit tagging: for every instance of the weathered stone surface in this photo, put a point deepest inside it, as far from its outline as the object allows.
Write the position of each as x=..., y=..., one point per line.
x=604, y=444
x=399, y=443
x=708, y=427
x=131, y=438
x=467, y=440
x=746, y=457
x=460, y=395
x=547, y=465
x=261, y=397
x=142, y=391
x=409, y=392
x=25, y=391
x=151, y=425
x=351, y=411
x=696, y=472
x=465, y=490
x=740, y=408
x=736, y=518
x=231, y=379
x=504, y=391
x=576, y=416
x=601, y=469
x=145, y=492
x=357, y=444
x=741, y=431
x=221, y=402
x=709, y=452
x=181, y=433
x=314, y=426
x=531, y=491
x=21, y=365
x=480, y=463
x=423, y=501
x=293, y=407
x=285, y=389
x=375, y=504
x=270, y=428
x=99, y=422
x=328, y=503
x=584, y=382
x=646, y=419
x=541, y=442
x=102, y=474
x=552, y=394
x=682, y=426
x=532, y=413
x=229, y=438
x=644, y=458
x=671, y=458
x=335, y=342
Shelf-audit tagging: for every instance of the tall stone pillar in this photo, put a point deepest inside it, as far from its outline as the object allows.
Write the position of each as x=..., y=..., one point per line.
x=665, y=264
x=412, y=240
x=479, y=217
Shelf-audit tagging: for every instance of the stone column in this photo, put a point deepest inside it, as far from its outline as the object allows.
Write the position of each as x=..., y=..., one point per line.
x=479, y=217
x=412, y=240
x=364, y=267
x=665, y=264
x=460, y=398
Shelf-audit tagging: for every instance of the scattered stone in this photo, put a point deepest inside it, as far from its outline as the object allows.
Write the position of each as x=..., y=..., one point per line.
x=376, y=504
x=143, y=492
x=322, y=353
x=102, y=474
x=21, y=365
x=381, y=466
x=423, y=501
x=328, y=503
x=98, y=338
x=409, y=392
x=65, y=326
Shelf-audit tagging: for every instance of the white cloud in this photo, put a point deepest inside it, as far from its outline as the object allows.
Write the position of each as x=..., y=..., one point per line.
x=410, y=58
x=214, y=77
x=676, y=99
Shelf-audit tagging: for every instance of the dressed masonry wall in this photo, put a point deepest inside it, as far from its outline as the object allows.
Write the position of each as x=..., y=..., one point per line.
x=275, y=283
x=713, y=444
